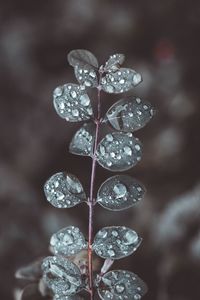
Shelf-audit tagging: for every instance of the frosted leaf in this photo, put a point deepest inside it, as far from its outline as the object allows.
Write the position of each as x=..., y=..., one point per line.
x=82, y=58
x=30, y=272
x=64, y=190
x=116, y=242
x=72, y=103
x=83, y=141
x=73, y=297
x=121, y=81
x=119, y=151
x=114, y=62
x=120, y=192
x=130, y=114
x=121, y=285
x=61, y=276
x=68, y=241
x=86, y=76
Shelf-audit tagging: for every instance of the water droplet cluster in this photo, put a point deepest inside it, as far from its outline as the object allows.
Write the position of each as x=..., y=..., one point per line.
x=72, y=103
x=120, y=81
x=68, y=241
x=116, y=242
x=130, y=114
x=120, y=192
x=62, y=276
x=121, y=285
x=83, y=141
x=119, y=151
x=64, y=190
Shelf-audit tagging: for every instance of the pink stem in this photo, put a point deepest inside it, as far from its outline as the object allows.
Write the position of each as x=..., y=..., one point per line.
x=91, y=198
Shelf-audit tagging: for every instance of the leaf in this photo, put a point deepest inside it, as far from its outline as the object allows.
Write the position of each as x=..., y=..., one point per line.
x=68, y=241
x=72, y=103
x=62, y=276
x=86, y=76
x=83, y=141
x=116, y=242
x=30, y=272
x=121, y=285
x=121, y=81
x=130, y=114
x=73, y=297
x=114, y=62
x=82, y=58
x=64, y=190
x=119, y=151
x=31, y=292
x=120, y=192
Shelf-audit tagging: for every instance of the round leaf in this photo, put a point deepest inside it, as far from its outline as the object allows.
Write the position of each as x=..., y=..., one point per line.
x=121, y=81
x=86, y=76
x=120, y=192
x=116, y=242
x=68, y=241
x=82, y=58
x=130, y=114
x=83, y=141
x=121, y=285
x=114, y=62
x=64, y=190
x=119, y=151
x=62, y=276
x=72, y=103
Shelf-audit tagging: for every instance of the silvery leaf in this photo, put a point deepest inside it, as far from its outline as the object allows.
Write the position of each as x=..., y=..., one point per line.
x=83, y=141
x=116, y=242
x=64, y=190
x=61, y=276
x=120, y=192
x=114, y=62
x=119, y=151
x=86, y=76
x=30, y=272
x=82, y=58
x=130, y=114
x=72, y=103
x=68, y=241
x=31, y=292
x=120, y=81
x=73, y=297
x=121, y=285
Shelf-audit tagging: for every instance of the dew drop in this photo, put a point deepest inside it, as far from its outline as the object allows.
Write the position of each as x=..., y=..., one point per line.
x=120, y=190
x=128, y=150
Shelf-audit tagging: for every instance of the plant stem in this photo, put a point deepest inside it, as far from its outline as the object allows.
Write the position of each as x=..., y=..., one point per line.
x=91, y=198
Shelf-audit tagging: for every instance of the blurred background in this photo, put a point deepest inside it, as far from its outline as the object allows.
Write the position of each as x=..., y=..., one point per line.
x=161, y=40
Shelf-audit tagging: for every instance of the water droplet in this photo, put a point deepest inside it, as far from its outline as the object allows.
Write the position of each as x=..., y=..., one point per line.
x=120, y=288
x=120, y=190
x=137, y=297
x=84, y=99
x=75, y=112
x=128, y=150
x=131, y=237
x=73, y=94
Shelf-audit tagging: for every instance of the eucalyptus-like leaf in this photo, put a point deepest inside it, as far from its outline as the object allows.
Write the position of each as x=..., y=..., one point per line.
x=30, y=272
x=120, y=192
x=114, y=62
x=121, y=285
x=86, y=76
x=82, y=58
x=119, y=151
x=83, y=141
x=120, y=81
x=61, y=276
x=129, y=114
x=72, y=103
x=116, y=242
x=64, y=190
x=68, y=241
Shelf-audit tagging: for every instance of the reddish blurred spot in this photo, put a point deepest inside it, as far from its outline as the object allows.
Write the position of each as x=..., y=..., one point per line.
x=164, y=51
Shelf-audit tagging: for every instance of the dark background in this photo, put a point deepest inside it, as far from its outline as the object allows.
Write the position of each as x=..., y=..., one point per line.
x=161, y=40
